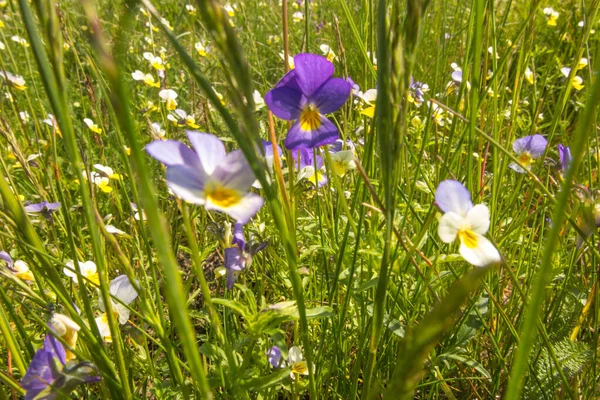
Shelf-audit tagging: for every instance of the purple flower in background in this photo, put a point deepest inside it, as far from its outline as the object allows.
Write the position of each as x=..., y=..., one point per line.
x=305, y=95
x=239, y=257
x=44, y=208
x=6, y=257
x=305, y=162
x=48, y=378
x=209, y=176
x=355, y=88
x=274, y=356
x=564, y=152
x=528, y=148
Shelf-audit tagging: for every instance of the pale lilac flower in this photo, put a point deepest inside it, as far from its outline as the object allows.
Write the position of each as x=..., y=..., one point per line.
x=564, y=152
x=467, y=222
x=209, y=176
x=528, y=149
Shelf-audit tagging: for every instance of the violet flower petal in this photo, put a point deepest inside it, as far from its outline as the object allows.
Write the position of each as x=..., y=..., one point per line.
x=186, y=182
x=172, y=152
x=210, y=150
x=285, y=102
x=332, y=95
x=325, y=134
x=452, y=196
x=312, y=71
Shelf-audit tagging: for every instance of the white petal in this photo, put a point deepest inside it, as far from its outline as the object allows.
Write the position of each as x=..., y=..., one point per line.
x=122, y=289
x=485, y=253
x=449, y=225
x=479, y=219
x=243, y=210
x=294, y=355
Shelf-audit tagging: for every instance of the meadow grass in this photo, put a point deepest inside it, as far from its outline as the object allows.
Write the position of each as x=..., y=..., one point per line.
x=347, y=287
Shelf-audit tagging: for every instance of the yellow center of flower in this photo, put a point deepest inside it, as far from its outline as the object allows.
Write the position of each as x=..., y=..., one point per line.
x=300, y=367
x=221, y=196
x=525, y=158
x=310, y=119
x=467, y=237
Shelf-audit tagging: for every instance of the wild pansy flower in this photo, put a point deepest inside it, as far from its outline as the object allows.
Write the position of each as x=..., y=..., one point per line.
x=18, y=268
x=305, y=163
x=107, y=171
x=295, y=360
x=139, y=215
x=306, y=94
x=416, y=92
x=438, y=114
x=239, y=257
x=53, y=123
x=564, y=153
x=114, y=230
x=156, y=131
x=259, y=101
x=148, y=79
x=209, y=176
x=169, y=96
x=19, y=40
x=190, y=9
x=529, y=77
x=577, y=83
x=343, y=160
x=370, y=99
x=201, y=49
x=67, y=329
x=181, y=118
x=88, y=270
x=48, y=377
x=92, y=126
x=155, y=61
x=528, y=149
x=328, y=52
x=100, y=180
x=121, y=289
x=552, y=15
x=467, y=222
x=297, y=16
x=44, y=208
x=16, y=81
x=583, y=62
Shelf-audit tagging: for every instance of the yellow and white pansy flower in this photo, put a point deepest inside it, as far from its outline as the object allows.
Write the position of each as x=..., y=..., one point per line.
x=259, y=101
x=577, y=82
x=155, y=61
x=181, y=118
x=369, y=98
x=169, y=96
x=122, y=290
x=88, y=270
x=148, y=79
x=16, y=81
x=466, y=222
x=67, y=329
x=92, y=126
x=296, y=362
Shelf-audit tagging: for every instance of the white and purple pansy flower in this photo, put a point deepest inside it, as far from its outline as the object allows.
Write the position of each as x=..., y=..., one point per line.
x=239, y=257
x=309, y=167
x=208, y=175
x=528, y=149
x=305, y=95
x=467, y=222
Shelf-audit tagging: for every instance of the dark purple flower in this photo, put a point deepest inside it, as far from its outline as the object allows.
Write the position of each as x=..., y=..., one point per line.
x=564, y=152
x=305, y=95
x=47, y=377
x=528, y=148
x=274, y=356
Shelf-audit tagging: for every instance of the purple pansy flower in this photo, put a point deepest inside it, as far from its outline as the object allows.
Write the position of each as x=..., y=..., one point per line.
x=274, y=356
x=209, y=176
x=44, y=208
x=564, y=152
x=6, y=257
x=305, y=95
x=239, y=257
x=305, y=162
x=528, y=148
x=48, y=378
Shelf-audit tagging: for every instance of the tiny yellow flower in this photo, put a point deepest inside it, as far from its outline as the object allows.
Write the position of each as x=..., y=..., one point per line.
x=201, y=49
x=190, y=9
x=552, y=16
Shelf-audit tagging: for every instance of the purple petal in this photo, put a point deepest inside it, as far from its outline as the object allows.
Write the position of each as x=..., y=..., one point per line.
x=210, y=149
x=331, y=95
x=285, y=102
x=187, y=183
x=172, y=152
x=36, y=208
x=534, y=145
x=290, y=81
x=274, y=356
x=6, y=257
x=452, y=196
x=238, y=236
x=53, y=206
x=564, y=152
x=305, y=155
x=312, y=71
x=234, y=264
x=457, y=76
x=234, y=172
x=327, y=133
